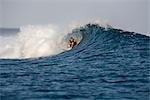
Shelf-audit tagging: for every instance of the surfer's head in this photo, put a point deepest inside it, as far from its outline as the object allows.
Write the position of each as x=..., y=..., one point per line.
x=71, y=39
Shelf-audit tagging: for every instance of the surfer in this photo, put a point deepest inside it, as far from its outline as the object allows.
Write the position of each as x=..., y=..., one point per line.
x=72, y=42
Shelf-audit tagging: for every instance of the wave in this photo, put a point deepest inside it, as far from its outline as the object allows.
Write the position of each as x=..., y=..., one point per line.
x=40, y=41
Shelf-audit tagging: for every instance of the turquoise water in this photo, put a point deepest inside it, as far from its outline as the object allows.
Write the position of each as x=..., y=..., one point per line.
x=106, y=65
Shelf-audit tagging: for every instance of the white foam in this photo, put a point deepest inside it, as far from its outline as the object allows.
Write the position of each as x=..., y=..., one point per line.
x=33, y=41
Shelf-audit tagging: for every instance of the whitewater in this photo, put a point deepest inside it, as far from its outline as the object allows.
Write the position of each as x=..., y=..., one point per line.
x=33, y=41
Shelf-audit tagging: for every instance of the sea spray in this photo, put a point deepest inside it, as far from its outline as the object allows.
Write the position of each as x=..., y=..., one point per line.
x=34, y=41
x=39, y=41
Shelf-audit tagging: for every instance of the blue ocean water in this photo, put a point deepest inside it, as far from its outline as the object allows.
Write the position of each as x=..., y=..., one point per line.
x=106, y=65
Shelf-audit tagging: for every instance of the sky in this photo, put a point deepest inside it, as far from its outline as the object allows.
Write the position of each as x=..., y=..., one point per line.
x=130, y=15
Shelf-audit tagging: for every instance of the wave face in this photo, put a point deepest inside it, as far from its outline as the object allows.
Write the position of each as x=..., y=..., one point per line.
x=106, y=64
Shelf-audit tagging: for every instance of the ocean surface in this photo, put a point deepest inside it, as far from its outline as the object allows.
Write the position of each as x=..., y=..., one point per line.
x=107, y=64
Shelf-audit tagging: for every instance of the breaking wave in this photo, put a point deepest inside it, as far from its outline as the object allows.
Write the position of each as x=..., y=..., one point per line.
x=40, y=41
